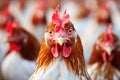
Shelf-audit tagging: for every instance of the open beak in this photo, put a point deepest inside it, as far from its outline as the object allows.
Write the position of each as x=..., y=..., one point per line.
x=60, y=40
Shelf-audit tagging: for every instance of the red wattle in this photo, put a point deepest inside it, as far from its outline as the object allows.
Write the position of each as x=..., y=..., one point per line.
x=66, y=51
x=107, y=58
x=104, y=56
x=54, y=50
x=14, y=47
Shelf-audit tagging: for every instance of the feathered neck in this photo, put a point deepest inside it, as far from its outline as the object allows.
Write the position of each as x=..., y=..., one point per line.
x=75, y=62
x=106, y=72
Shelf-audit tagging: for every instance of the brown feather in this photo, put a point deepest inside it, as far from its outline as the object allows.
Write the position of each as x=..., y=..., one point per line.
x=45, y=56
x=116, y=61
x=29, y=49
x=75, y=62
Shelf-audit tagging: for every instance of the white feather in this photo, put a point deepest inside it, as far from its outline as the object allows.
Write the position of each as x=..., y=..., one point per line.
x=3, y=45
x=92, y=70
x=55, y=71
x=14, y=67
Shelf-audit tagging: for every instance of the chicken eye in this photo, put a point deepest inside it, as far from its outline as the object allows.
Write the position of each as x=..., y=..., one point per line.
x=70, y=31
x=50, y=32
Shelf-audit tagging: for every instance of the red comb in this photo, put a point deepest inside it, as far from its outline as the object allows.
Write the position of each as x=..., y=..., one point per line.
x=6, y=12
x=58, y=20
x=108, y=34
x=10, y=26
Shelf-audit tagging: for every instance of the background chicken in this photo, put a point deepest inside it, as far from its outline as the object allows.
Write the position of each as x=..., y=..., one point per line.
x=61, y=53
x=5, y=16
x=39, y=16
x=104, y=61
x=38, y=19
x=19, y=62
x=98, y=23
x=33, y=18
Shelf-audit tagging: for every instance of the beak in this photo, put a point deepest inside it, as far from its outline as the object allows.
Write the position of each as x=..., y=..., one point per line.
x=61, y=40
x=6, y=40
x=109, y=50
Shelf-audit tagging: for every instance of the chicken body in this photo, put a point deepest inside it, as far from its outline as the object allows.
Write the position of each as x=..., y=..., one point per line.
x=14, y=67
x=61, y=53
x=19, y=61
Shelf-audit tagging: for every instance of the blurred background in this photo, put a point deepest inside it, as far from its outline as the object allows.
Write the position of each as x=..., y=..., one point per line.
x=90, y=18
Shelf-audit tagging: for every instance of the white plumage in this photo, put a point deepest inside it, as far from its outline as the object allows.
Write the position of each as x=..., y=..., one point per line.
x=93, y=69
x=14, y=67
x=56, y=71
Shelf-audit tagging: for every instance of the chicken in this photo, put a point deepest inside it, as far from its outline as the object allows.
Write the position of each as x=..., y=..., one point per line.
x=104, y=61
x=5, y=16
x=22, y=4
x=103, y=13
x=19, y=61
x=84, y=10
x=61, y=54
x=39, y=16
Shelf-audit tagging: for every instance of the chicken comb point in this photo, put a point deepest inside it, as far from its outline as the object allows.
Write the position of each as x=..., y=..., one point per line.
x=108, y=34
x=58, y=20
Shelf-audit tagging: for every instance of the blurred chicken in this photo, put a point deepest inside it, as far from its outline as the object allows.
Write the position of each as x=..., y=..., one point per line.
x=22, y=4
x=103, y=13
x=61, y=53
x=39, y=16
x=104, y=61
x=33, y=18
x=5, y=16
x=84, y=10
x=19, y=62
